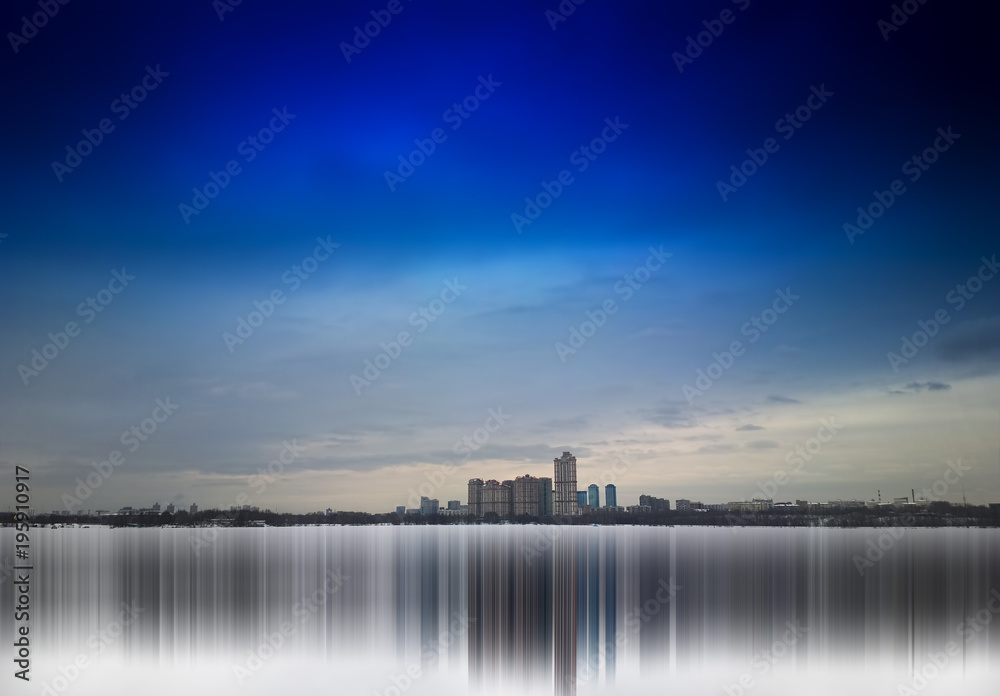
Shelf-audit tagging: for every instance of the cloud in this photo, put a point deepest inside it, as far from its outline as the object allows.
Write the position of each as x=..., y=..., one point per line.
x=751, y=426
x=717, y=448
x=971, y=341
x=775, y=399
x=762, y=444
x=670, y=416
x=928, y=386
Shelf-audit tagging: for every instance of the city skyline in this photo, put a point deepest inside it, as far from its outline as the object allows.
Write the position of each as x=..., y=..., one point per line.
x=435, y=347
x=588, y=269
x=520, y=501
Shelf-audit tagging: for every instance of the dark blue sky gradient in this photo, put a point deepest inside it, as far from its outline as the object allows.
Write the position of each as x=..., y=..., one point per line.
x=654, y=185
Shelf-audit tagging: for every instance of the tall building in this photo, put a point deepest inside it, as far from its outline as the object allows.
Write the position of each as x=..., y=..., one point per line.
x=490, y=497
x=610, y=496
x=476, y=497
x=498, y=498
x=527, y=495
x=581, y=498
x=454, y=504
x=400, y=510
x=194, y=508
x=593, y=496
x=565, y=485
x=545, y=497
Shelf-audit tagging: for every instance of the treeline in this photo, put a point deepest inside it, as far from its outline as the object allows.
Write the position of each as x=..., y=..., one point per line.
x=939, y=514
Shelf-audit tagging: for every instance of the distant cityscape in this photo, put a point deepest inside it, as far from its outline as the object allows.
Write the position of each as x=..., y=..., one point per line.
x=528, y=496
x=538, y=497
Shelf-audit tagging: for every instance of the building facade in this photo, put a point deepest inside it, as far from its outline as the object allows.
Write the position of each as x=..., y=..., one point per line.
x=565, y=485
x=527, y=495
x=593, y=496
x=610, y=496
x=476, y=497
x=655, y=504
x=547, y=496
x=498, y=498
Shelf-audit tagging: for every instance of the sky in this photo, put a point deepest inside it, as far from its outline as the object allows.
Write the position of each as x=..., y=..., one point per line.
x=345, y=254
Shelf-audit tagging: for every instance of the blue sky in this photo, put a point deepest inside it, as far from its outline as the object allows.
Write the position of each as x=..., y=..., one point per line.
x=392, y=252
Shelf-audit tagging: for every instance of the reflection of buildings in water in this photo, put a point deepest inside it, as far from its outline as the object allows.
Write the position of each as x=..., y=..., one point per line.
x=536, y=596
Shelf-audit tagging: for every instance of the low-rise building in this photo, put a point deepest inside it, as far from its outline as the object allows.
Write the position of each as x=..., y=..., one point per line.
x=654, y=503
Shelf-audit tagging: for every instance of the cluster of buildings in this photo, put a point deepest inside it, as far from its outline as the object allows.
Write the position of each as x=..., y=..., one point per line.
x=156, y=509
x=128, y=510
x=525, y=495
x=542, y=497
x=431, y=506
x=538, y=496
